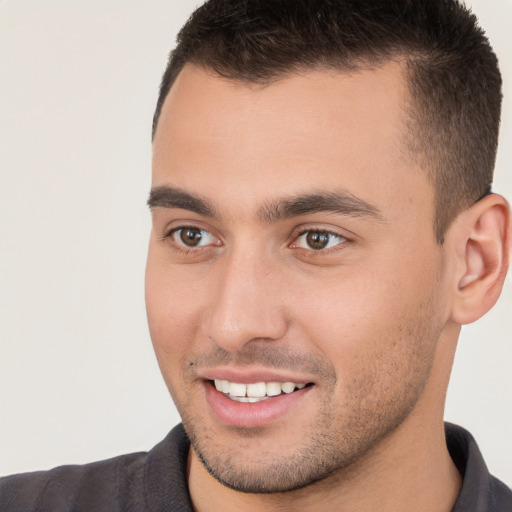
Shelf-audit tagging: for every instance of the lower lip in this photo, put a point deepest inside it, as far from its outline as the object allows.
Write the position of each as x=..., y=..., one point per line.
x=247, y=415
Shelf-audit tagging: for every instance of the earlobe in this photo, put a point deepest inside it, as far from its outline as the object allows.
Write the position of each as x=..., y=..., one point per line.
x=483, y=235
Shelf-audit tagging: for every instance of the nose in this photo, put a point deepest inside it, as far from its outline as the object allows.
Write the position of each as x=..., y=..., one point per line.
x=246, y=304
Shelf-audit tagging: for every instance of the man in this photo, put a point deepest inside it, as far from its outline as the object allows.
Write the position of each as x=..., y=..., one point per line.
x=322, y=227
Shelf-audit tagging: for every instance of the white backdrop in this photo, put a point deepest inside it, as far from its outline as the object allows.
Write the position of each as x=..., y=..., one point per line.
x=78, y=379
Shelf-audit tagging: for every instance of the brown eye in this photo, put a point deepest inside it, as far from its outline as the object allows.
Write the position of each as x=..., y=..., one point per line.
x=191, y=237
x=317, y=240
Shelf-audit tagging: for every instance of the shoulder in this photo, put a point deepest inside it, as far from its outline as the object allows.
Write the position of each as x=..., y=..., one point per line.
x=128, y=483
x=96, y=486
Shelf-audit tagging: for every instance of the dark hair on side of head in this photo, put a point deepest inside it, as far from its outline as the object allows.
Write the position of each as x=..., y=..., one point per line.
x=452, y=72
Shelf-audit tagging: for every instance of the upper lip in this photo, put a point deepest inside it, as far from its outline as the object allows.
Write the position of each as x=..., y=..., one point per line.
x=249, y=376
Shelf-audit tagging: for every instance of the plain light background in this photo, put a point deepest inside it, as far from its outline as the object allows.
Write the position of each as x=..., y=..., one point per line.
x=78, y=378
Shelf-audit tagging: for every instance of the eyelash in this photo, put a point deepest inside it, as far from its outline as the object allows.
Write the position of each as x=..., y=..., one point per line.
x=182, y=248
x=321, y=251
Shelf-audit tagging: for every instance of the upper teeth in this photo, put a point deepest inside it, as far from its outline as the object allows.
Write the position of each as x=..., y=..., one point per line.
x=255, y=390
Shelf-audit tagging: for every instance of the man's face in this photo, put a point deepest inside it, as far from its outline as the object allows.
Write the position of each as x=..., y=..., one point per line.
x=292, y=243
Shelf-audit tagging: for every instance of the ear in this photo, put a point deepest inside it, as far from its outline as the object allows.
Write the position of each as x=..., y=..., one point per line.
x=482, y=237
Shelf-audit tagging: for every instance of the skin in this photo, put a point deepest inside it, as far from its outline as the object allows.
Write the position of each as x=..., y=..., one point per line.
x=371, y=322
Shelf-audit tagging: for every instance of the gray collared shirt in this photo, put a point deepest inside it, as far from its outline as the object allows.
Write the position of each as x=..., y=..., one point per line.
x=480, y=492
x=155, y=481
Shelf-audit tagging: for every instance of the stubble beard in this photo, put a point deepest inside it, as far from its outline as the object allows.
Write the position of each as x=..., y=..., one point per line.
x=379, y=398
x=331, y=445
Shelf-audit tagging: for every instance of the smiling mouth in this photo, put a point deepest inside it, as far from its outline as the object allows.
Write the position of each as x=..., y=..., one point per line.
x=257, y=391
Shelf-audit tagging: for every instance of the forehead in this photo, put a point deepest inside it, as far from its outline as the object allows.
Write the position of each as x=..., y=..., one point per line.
x=241, y=143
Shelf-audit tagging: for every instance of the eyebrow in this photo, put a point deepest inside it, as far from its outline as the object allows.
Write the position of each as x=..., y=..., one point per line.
x=169, y=197
x=338, y=202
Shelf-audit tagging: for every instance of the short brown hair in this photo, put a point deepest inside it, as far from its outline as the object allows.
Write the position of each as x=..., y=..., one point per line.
x=453, y=74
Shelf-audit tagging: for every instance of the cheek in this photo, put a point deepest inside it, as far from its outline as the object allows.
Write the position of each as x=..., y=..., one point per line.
x=373, y=321
x=173, y=306
x=382, y=352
